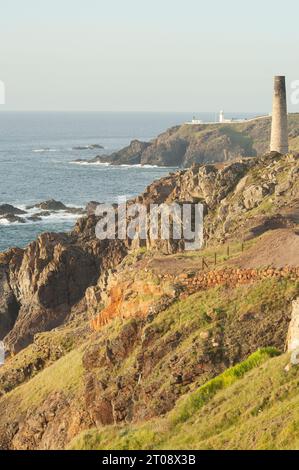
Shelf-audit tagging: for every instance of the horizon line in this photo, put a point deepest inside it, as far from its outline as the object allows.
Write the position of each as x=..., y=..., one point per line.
x=123, y=111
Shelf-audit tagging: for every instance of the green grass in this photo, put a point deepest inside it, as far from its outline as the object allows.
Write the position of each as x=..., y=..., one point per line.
x=260, y=411
x=205, y=311
x=237, y=138
x=190, y=405
x=253, y=405
x=65, y=375
x=262, y=296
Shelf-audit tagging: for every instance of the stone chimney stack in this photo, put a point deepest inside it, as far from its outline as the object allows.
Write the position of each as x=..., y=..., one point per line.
x=279, y=132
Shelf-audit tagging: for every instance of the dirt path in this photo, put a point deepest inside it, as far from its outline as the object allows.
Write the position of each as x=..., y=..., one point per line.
x=278, y=248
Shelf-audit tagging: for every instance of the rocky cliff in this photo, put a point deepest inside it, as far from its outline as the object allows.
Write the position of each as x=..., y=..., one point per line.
x=181, y=146
x=44, y=284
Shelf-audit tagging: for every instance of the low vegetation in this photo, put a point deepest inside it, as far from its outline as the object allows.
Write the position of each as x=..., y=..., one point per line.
x=253, y=405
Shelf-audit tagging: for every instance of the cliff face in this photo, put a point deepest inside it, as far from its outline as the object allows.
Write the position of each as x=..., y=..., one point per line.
x=44, y=283
x=181, y=146
x=130, y=155
x=115, y=332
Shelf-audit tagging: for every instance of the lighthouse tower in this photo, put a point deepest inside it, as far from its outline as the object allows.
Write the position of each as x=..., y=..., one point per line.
x=279, y=132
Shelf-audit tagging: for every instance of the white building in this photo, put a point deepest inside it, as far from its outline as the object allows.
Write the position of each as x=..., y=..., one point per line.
x=223, y=120
x=195, y=121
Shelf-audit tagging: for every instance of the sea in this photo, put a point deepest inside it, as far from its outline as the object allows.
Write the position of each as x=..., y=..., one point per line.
x=37, y=153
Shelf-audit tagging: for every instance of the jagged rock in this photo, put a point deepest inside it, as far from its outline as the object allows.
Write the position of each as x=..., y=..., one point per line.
x=7, y=209
x=48, y=278
x=165, y=153
x=283, y=188
x=35, y=218
x=253, y=195
x=91, y=207
x=42, y=214
x=130, y=155
x=88, y=147
x=54, y=206
x=13, y=219
x=9, y=307
x=50, y=205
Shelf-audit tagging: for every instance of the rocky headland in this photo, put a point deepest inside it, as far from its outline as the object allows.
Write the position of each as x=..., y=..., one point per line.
x=181, y=146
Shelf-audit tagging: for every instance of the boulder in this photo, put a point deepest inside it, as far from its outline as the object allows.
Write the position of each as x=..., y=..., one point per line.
x=88, y=147
x=11, y=218
x=50, y=205
x=9, y=209
x=254, y=195
x=35, y=218
x=53, y=206
x=91, y=207
x=130, y=155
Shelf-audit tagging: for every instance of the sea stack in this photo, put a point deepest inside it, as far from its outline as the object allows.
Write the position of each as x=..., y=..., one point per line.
x=279, y=132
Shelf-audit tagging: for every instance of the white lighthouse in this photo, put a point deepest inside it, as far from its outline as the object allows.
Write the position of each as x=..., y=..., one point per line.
x=221, y=117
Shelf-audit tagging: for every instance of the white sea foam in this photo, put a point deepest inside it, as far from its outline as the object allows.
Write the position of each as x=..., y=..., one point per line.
x=44, y=150
x=4, y=222
x=106, y=164
x=139, y=166
x=90, y=163
x=52, y=218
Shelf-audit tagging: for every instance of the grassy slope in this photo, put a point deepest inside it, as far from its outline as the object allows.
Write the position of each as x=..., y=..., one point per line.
x=253, y=408
x=192, y=316
x=249, y=397
x=66, y=375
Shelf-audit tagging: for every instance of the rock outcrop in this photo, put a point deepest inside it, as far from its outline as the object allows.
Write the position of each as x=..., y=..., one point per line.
x=10, y=214
x=7, y=209
x=47, y=280
x=9, y=307
x=54, y=206
x=130, y=155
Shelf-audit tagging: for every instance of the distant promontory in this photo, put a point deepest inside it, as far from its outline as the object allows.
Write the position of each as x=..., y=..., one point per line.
x=181, y=146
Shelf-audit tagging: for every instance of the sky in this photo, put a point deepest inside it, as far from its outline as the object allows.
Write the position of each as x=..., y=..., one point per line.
x=146, y=55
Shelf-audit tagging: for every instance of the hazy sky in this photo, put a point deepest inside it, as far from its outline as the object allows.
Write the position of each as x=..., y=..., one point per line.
x=146, y=55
